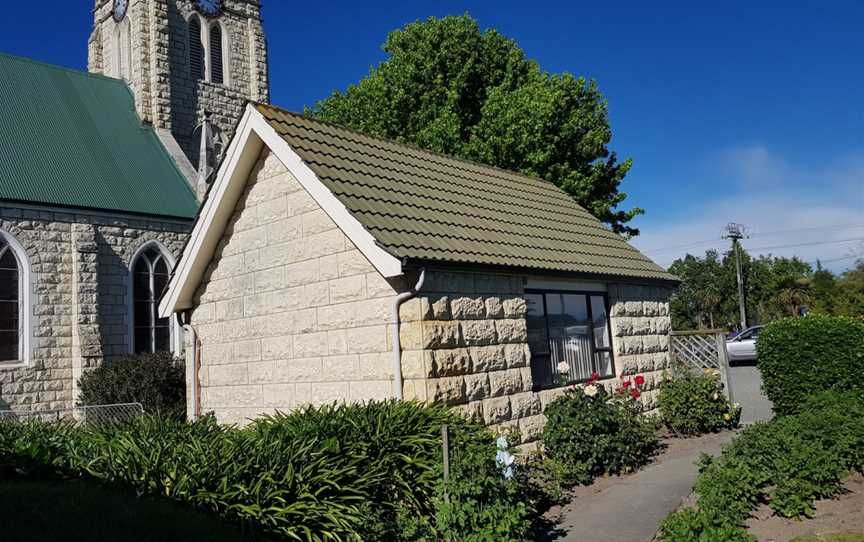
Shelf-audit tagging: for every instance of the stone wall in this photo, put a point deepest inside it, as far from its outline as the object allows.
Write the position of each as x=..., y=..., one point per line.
x=465, y=345
x=289, y=311
x=79, y=266
x=165, y=93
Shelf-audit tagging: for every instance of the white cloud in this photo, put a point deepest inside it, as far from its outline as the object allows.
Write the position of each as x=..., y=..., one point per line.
x=780, y=203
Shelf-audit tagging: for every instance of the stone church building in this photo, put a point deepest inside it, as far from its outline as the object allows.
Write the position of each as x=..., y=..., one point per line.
x=157, y=203
x=100, y=179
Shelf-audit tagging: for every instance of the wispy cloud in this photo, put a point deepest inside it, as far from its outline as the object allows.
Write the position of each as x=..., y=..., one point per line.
x=819, y=210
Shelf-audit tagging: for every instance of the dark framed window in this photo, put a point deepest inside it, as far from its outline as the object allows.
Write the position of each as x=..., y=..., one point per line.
x=571, y=327
x=196, y=50
x=216, y=68
x=10, y=304
x=150, y=274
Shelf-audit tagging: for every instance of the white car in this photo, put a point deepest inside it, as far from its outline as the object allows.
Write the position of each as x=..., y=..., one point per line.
x=743, y=346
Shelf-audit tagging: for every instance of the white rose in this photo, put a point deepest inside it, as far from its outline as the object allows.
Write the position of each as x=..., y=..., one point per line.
x=716, y=396
x=591, y=390
x=563, y=367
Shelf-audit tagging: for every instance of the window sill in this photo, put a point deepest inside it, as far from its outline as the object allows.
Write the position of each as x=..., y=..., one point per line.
x=536, y=389
x=9, y=365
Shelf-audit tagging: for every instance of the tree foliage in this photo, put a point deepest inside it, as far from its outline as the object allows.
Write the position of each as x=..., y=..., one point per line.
x=774, y=288
x=449, y=87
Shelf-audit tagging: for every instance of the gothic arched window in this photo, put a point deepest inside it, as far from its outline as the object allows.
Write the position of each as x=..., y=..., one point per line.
x=196, y=49
x=14, y=273
x=217, y=69
x=150, y=274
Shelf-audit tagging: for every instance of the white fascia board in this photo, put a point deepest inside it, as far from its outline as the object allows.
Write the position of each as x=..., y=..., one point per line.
x=252, y=134
x=239, y=160
x=388, y=265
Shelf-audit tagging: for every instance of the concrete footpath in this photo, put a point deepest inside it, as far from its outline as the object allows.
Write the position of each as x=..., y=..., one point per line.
x=630, y=508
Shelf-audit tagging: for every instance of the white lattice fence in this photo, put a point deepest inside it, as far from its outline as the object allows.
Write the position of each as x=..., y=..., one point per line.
x=83, y=414
x=698, y=351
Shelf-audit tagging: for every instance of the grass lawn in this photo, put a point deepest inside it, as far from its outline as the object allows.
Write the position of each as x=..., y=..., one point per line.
x=74, y=511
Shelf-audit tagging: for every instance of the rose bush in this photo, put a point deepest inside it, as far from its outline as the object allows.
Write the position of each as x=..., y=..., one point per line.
x=590, y=431
x=694, y=404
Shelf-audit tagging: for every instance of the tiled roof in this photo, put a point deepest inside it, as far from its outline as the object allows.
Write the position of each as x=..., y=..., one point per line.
x=73, y=139
x=428, y=207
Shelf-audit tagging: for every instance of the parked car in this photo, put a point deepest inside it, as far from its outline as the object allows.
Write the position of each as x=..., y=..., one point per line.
x=743, y=346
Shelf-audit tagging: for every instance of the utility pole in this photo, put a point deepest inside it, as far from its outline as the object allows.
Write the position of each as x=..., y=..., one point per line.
x=736, y=232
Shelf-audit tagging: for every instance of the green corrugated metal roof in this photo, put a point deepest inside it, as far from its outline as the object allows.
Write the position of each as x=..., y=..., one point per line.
x=425, y=206
x=74, y=139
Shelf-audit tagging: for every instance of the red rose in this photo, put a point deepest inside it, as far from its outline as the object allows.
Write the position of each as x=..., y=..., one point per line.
x=595, y=376
x=639, y=380
x=634, y=393
x=625, y=384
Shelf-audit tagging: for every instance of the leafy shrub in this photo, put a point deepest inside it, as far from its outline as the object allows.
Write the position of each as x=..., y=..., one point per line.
x=802, y=356
x=154, y=380
x=788, y=462
x=693, y=404
x=590, y=432
x=370, y=472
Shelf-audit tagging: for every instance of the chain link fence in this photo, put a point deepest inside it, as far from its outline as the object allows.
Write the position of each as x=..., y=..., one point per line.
x=93, y=415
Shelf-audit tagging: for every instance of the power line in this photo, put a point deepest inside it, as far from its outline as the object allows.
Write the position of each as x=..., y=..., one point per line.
x=815, y=228
x=760, y=234
x=753, y=249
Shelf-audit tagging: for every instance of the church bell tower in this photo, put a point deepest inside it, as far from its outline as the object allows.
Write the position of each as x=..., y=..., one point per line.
x=191, y=64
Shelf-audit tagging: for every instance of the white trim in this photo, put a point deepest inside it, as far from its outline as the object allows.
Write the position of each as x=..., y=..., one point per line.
x=176, y=330
x=25, y=303
x=252, y=134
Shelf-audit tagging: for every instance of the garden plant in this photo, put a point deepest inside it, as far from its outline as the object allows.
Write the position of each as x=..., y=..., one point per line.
x=356, y=472
x=692, y=404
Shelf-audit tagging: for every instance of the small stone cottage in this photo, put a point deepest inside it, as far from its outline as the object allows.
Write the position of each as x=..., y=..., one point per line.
x=326, y=265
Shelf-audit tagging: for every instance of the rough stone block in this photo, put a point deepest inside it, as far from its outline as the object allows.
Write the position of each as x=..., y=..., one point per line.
x=525, y=404
x=449, y=390
x=496, y=410
x=451, y=362
x=441, y=334
x=478, y=332
x=505, y=382
x=477, y=387
x=488, y=358
x=468, y=308
x=515, y=307
x=531, y=428
x=494, y=307
x=516, y=355
x=511, y=330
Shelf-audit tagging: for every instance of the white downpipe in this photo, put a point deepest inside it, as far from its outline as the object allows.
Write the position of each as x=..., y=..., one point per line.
x=195, y=364
x=397, y=346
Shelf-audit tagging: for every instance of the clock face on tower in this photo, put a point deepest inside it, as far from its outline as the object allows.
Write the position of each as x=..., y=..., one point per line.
x=120, y=7
x=210, y=8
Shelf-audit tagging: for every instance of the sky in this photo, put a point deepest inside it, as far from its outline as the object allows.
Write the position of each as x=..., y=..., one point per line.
x=736, y=111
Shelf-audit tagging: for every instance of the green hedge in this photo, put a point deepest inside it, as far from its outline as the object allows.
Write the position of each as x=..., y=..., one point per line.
x=789, y=462
x=370, y=472
x=157, y=381
x=802, y=356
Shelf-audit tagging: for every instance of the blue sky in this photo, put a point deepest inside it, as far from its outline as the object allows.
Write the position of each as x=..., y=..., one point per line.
x=736, y=111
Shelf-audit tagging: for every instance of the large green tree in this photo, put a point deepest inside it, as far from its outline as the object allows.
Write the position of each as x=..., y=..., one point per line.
x=708, y=294
x=449, y=87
